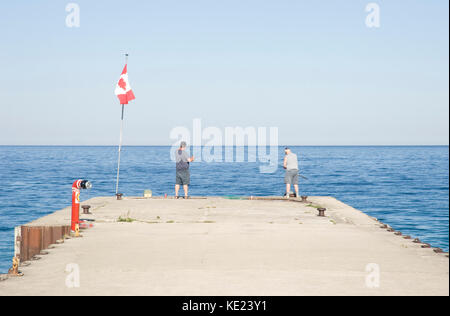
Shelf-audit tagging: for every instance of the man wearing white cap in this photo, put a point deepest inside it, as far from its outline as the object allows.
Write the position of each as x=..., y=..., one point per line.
x=291, y=165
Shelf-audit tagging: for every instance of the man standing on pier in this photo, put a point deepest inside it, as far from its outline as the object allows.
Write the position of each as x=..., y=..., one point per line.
x=183, y=175
x=291, y=165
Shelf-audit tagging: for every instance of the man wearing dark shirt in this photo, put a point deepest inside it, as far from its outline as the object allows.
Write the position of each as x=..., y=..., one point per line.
x=183, y=176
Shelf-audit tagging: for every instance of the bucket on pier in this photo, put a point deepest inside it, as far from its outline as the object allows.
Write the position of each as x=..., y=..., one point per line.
x=148, y=193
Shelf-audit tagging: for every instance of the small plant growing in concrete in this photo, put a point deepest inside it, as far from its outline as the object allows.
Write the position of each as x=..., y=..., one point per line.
x=314, y=206
x=126, y=219
x=121, y=219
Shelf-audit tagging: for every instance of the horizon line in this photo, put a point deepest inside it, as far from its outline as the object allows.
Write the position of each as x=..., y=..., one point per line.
x=281, y=145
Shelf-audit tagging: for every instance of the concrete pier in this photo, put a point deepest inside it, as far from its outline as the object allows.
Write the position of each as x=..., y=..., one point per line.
x=219, y=246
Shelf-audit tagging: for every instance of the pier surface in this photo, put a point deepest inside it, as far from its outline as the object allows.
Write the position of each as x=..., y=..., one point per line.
x=218, y=246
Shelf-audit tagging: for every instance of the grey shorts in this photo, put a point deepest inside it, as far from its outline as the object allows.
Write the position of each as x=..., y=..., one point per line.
x=183, y=177
x=291, y=176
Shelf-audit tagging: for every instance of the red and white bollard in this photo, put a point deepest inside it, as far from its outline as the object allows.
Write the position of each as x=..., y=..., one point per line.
x=77, y=185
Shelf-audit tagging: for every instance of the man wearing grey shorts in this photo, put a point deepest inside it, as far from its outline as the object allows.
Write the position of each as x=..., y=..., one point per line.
x=183, y=175
x=291, y=165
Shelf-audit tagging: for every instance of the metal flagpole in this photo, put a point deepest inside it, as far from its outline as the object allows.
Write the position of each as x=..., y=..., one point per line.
x=120, y=150
x=120, y=139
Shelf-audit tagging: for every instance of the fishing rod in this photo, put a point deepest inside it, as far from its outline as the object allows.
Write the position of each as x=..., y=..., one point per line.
x=301, y=176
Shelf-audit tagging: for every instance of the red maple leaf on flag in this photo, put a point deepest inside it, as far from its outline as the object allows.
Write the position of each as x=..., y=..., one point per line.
x=123, y=90
x=122, y=84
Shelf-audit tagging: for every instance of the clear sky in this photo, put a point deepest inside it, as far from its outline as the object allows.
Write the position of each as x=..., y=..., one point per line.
x=311, y=68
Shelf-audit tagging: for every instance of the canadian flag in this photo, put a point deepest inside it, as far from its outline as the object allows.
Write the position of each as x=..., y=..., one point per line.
x=123, y=89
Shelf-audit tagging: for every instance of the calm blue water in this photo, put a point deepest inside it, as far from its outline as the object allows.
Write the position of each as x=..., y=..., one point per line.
x=406, y=187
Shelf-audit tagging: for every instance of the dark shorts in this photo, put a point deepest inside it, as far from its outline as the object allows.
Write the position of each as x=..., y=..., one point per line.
x=291, y=177
x=183, y=177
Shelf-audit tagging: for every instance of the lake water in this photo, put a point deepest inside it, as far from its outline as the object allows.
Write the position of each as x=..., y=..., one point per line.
x=405, y=187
